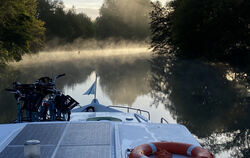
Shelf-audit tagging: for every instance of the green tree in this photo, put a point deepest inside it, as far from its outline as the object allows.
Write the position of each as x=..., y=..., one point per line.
x=20, y=31
x=64, y=25
x=160, y=27
x=213, y=29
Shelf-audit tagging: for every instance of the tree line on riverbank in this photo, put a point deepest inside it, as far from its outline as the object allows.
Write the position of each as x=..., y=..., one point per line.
x=26, y=26
x=215, y=30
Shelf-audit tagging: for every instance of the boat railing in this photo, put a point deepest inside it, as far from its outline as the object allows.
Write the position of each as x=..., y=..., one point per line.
x=140, y=118
x=163, y=120
x=139, y=111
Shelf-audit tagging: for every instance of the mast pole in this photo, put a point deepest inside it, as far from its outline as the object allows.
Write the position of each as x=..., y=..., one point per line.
x=95, y=84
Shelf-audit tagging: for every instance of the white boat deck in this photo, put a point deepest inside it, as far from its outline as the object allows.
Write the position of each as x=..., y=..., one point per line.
x=93, y=139
x=119, y=116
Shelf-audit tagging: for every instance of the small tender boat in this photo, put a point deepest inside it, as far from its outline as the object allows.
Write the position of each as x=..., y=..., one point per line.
x=99, y=131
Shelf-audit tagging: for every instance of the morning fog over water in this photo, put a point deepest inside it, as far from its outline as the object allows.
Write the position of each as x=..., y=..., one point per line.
x=127, y=77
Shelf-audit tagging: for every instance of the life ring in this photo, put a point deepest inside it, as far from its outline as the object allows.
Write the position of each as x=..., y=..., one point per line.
x=166, y=149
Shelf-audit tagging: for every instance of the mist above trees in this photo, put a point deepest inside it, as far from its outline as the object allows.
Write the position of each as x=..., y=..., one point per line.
x=120, y=19
x=26, y=26
x=124, y=19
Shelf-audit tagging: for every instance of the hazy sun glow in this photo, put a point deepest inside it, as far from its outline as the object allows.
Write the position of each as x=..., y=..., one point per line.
x=89, y=7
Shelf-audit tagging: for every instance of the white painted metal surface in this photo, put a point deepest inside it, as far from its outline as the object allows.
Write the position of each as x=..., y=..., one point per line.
x=126, y=133
x=83, y=116
x=134, y=134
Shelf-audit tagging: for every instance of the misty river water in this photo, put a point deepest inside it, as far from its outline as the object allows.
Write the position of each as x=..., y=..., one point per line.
x=124, y=78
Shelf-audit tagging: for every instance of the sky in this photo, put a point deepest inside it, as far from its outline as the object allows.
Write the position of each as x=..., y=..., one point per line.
x=89, y=7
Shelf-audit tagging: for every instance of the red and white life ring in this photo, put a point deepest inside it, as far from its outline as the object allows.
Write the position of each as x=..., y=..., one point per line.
x=166, y=149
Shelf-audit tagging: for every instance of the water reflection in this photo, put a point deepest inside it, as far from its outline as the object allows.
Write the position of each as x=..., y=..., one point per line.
x=121, y=78
x=126, y=81
x=235, y=143
x=204, y=97
x=214, y=108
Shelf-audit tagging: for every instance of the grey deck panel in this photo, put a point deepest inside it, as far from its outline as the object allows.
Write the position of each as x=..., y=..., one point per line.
x=87, y=134
x=83, y=152
x=90, y=140
x=47, y=134
x=18, y=152
x=77, y=140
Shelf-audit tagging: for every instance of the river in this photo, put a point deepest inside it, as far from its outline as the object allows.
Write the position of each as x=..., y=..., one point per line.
x=125, y=78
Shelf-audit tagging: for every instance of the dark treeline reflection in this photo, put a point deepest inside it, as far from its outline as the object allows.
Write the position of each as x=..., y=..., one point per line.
x=121, y=78
x=208, y=98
